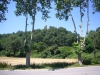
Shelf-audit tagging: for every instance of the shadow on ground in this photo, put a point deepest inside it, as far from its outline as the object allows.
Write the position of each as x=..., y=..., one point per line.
x=50, y=66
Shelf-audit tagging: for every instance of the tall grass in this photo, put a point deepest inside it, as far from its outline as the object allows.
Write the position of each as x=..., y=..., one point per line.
x=4, y=65
x=55, y=65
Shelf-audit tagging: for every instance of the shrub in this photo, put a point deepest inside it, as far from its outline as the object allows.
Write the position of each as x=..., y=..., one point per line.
x=87, y=60
x=65, y=51
x=9, y=54
x=98, y=53
x=4, y=65
x=95, y=61
x=3, y=53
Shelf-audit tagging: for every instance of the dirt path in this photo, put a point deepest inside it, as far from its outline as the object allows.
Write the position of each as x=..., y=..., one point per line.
x=18, y=61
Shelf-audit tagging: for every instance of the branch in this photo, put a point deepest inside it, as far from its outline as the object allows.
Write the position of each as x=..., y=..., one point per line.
x=33, y=18
x=74, y=25
x=87, y=20
x=80, y=20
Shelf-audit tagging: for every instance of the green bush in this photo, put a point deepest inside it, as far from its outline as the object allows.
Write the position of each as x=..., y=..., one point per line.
x=98, y=53
x=3, y=53
x=95, y=61
x=90, y=60
x=65, y=51
x=21, y=54
x=9, y=54
x=87, y=60
x=4, y=65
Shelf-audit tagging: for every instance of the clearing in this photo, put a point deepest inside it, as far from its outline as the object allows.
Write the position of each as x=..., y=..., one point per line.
x=22, y=61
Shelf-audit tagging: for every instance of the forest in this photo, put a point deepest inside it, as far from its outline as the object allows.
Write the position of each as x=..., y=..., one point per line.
x=52, y=42
x=49, y=43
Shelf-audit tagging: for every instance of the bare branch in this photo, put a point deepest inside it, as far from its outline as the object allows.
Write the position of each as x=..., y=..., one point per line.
x=26, y=28
x=87, y=20
x=80, y=20
x=33, y=18
x=74, y=25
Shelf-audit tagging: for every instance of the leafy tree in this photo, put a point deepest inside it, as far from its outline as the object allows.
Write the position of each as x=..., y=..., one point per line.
x=3, y=9
x=40, y=46
x=64, y=8
x=98, y=37
x=65, y=51
x=20, y=33
x=50, y=51
x=96, y=5
x=1, y=48
x=89, y=45
x=93, y=37
x=31, y=7
x=16, y=45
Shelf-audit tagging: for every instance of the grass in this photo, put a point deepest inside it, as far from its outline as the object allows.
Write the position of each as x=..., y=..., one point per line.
x=4, y=65
x=21, y=61
x=36, y=63
x=51, y=66
x=49, y=63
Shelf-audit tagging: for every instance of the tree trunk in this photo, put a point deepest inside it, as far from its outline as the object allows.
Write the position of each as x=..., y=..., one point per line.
x=28, y=58
x=79, y=59
x=29, y=52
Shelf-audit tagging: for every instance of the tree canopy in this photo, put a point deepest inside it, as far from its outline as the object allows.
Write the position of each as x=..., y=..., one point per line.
x=3, y=9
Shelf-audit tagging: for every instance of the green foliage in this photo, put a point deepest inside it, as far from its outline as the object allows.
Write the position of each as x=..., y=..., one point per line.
x=95, y=61
x=50, y=51
x=98, y=53
x=96, y=5
x=3, y=9
x=77, y=47
x=87, y=60
x=89, y=45
x=98, y=38
x=11, y=43
x=64, y=7
x=40, y=46
x=90, y=61
x=27, y=47
x=65, y=51
x=53, y=36
x=3, y=53
x=57, y=65
x=52, y=43
x=4, y=65
x=24, y=7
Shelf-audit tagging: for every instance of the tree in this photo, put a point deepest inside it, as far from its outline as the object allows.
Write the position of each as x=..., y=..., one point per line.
x=40, y=46
x=96, y=5
x=93, y=37
x=89, y=45
x=31, y=7
x=64, y=8
x=11, y=43
x=16, y=44
x=98, y=38
x=3, y=9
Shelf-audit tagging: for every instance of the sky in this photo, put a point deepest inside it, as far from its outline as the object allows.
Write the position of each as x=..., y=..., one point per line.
x=15, y=23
